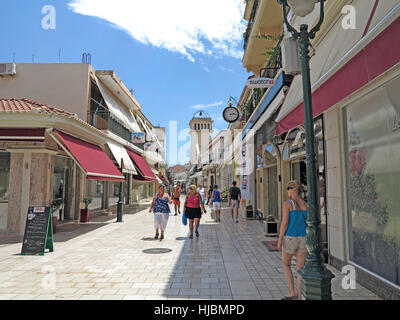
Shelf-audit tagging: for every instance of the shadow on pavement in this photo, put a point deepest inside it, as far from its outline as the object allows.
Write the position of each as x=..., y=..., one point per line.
x=66, y=232
x=10, y=238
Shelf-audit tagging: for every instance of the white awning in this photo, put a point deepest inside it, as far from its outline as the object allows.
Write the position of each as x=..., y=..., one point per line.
x=196, y=175
x=333, y=54
x=159, y=180
x=293, y=98
x=150, y=136
x=153, y=157
x=117, y=111
x=120, y=153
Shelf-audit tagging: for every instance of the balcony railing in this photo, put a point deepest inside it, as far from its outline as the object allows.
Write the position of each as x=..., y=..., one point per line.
x=250, y=24
x=102, y=120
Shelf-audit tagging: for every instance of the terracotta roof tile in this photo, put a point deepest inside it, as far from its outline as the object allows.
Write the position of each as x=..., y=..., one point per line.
x=27, y=105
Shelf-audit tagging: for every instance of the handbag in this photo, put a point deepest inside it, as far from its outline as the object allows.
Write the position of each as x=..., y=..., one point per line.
x=184, y=219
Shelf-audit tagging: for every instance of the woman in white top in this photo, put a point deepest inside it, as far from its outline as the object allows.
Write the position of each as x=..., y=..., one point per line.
x=202, y=192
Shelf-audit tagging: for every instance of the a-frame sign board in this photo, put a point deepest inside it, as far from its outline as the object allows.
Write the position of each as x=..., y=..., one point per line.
x=38, y=232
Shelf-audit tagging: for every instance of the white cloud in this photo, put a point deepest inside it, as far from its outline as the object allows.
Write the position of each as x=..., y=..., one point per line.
x=206, y=69
x=205, y=106
x=189, y=27
x=226, y=69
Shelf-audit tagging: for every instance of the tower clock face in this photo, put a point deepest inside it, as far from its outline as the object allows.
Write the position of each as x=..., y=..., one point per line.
x=231, y=114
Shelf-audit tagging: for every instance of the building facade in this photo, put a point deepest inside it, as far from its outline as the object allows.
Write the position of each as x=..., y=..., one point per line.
x=354, y=76
x=93, y=101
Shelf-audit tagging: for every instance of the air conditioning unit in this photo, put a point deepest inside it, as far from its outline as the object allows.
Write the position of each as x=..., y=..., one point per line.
x=8, y=69
x=291, y=63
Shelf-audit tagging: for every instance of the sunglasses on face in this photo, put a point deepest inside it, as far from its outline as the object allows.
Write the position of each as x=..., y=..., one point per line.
x=289, y=188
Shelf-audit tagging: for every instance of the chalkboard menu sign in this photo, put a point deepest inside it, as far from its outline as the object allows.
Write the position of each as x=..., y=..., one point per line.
x=38, y=231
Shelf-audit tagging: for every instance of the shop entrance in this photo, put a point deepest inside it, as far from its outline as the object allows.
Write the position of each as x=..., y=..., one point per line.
x=299, y=172
x=272, y=173
x=62, y=186
x=4, y=187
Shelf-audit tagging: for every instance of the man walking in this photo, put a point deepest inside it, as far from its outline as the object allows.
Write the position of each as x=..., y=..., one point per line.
x=176, y=193
x=234, y=198
x=216, y=203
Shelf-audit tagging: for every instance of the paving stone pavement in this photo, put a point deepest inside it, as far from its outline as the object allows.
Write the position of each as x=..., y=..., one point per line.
x=228, y=261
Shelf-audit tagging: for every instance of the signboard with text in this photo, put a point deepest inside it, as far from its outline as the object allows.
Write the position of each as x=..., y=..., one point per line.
x=38, y=231
x=260, y=83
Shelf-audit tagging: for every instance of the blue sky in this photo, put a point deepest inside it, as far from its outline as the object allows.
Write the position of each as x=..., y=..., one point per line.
x=176, y=58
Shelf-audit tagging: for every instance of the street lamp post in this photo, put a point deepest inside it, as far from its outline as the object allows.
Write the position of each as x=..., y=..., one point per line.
x=316, y=279
x=120, y=197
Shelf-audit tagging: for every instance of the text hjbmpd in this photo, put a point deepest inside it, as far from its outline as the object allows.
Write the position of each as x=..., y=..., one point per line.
x=201, y=310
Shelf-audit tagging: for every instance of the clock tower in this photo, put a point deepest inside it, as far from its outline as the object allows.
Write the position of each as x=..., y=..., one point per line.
x=200, y=135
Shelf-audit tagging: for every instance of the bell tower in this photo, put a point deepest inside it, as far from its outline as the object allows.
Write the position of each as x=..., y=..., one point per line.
x=200, y=134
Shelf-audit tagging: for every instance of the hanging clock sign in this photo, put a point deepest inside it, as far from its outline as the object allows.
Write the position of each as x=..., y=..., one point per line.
x=260, y=83
x=231, y=114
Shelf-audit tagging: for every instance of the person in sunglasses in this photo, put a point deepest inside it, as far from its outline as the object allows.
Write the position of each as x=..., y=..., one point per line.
x=193, y=209
x=292, y=237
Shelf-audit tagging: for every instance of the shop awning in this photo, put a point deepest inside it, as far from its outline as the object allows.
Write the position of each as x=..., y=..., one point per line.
x=142, y=166
x=164, y=179
x=159, y=179
x=14, y=134
x=121, y=153
x=117, y=111
x=372, y=60
x=90, y=158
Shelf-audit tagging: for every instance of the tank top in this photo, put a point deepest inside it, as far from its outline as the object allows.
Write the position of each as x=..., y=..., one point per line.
x=297, y=222
x=217, y=196
x=161, y=205
x=193, y=202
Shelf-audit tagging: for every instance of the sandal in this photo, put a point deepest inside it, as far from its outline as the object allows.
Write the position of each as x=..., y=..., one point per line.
x=289, y=298
x=197, y=234
x=156, y=236
x=162, y=237
x=191, y=236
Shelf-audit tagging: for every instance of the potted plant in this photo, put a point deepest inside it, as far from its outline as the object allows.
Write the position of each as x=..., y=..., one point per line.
x=249, y=211
x=86, y=212
x=55, y=208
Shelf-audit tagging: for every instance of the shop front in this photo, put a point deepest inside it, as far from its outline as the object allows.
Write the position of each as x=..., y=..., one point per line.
x=4, y=187
x=372, y=152
x=294, y=165
x=267, y=181
x=63, y=186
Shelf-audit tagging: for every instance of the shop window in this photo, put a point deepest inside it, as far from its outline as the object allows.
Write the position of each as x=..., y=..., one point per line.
x=373, y=180
x=270, y=155
x=95, y=190
x=113, y=193
x=4, y=176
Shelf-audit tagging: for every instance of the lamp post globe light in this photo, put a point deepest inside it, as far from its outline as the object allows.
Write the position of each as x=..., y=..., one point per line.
x=316, y=279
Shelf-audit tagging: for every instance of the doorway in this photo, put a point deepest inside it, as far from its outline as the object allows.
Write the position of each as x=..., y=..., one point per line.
x=63, y=186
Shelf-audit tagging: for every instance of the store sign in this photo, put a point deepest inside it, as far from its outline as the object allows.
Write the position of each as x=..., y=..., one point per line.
x=260, y=83
x=138, y=137
x=38, y=234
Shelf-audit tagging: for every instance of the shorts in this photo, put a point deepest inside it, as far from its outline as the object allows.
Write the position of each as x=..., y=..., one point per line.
x=292, y=245
x=216, y=206
x=177, y=201
x=193, y=213
x=234, y=204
